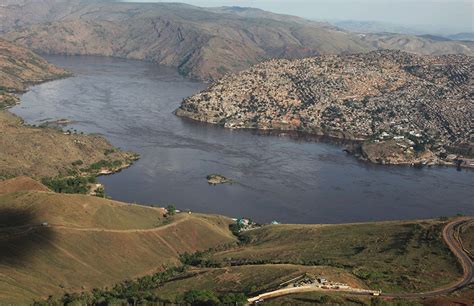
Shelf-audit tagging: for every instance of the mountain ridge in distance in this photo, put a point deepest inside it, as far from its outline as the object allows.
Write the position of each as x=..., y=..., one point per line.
x=203, y=43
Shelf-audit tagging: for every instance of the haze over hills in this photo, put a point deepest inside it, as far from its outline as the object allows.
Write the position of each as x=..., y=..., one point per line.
x=203, y=43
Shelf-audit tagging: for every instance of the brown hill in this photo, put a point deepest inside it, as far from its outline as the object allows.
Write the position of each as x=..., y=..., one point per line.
x=425, y=45
x=204, y=43
x=46, y=152
x=406, y=108
x=90, y=242
x=19, y=68
x=22, y=183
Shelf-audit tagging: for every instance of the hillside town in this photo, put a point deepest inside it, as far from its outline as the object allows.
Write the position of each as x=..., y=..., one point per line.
x=399, y=108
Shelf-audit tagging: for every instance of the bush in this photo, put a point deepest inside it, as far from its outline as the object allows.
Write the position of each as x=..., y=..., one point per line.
x=106, y=164
x=77, y=163
x=171, y=209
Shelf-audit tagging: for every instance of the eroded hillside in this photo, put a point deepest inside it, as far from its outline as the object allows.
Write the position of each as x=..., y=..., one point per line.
x=19, y=68
x=202, y=43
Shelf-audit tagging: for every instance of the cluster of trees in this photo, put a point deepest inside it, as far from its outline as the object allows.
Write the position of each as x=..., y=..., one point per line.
x=107, y=164
x=236, y=229
x=77, y=184
x=143, y=291
x=198, y=259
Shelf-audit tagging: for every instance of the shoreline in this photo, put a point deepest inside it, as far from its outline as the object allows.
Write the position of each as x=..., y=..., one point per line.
x=350, y=146
x=126, y=161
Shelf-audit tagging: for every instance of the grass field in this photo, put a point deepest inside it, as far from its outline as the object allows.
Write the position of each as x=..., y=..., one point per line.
x=391, y=256
x=312, y=298
x=91, y=242
x=249, y=280
x=467, y=237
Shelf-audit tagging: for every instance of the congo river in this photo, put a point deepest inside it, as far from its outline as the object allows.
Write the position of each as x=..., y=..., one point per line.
x=279, y=178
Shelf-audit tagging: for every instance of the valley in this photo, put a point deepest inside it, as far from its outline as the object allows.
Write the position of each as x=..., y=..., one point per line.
x=290, y=179
x=112, y=193
x=40, y=151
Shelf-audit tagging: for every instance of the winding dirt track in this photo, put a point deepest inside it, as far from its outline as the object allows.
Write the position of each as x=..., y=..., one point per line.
x=453, y=242
x=450, y=238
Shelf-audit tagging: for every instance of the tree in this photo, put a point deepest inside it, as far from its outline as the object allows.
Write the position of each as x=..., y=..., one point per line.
x=171, y=210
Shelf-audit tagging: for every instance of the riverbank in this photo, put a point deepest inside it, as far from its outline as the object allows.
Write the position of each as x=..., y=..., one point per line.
x=279, y=178
x=389, y=151
x=40, y=151
x=401, y=113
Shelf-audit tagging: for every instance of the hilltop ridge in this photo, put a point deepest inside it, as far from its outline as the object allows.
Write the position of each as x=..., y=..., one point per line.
x=203, y=43
x=55, y=243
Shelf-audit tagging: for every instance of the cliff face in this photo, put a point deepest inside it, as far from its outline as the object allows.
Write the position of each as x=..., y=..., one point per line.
x=420, y=103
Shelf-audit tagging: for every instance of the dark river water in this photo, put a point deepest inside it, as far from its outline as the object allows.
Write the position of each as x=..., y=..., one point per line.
x=279, y=178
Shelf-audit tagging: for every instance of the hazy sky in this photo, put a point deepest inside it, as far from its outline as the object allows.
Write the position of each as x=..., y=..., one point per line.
x=437, y=15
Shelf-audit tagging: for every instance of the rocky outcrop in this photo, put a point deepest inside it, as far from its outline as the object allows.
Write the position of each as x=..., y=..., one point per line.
x=422, y=106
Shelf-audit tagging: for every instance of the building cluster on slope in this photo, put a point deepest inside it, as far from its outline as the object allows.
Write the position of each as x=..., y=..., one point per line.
x=420, y=105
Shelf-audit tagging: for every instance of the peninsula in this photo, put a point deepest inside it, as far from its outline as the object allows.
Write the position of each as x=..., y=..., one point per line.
x=398, y=108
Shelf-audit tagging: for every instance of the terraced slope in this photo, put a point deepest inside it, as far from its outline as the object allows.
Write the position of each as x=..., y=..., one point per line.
x=90, y=242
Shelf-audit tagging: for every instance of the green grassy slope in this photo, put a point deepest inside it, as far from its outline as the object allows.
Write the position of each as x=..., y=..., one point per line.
x=392, y=256
x=248, y=279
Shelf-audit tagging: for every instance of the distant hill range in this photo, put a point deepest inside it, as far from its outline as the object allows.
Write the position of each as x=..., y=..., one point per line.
x=405, y=108
x=203, y=43
x=462, y=36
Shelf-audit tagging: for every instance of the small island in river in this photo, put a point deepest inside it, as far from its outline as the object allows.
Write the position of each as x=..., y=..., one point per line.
x=217, y=179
